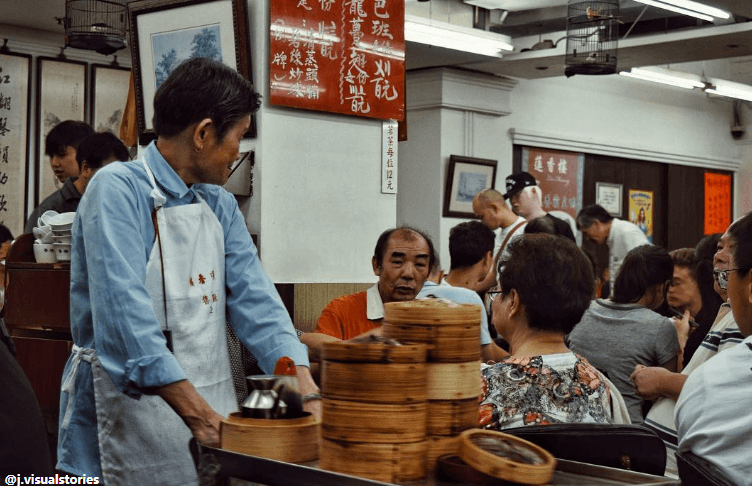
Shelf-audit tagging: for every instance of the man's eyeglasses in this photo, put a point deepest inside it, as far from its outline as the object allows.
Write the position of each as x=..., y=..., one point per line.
x=722, y=277
x=493, y=293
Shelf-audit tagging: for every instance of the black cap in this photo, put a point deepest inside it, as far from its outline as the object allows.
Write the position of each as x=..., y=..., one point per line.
x=517, y=182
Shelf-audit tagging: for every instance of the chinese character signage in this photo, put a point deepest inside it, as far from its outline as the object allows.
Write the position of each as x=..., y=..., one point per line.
x=641, y=211
x=717, y=202
x=559, y=176
x=389, y=158
x=345, y=56
x=15, y=79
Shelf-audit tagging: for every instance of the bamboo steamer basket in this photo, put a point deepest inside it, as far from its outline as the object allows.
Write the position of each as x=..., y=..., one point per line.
x=452, y=331
x=481, y=459
x=374, y=373
x=288, y=440
x=450, y=417
x=439, y=446
x=453, y=381
x=373, y=422
x=391, y=463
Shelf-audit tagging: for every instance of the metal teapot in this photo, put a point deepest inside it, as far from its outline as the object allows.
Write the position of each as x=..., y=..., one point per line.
x=271, y=396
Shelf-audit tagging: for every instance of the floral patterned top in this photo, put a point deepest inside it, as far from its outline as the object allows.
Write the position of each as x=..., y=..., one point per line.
x=541, y=390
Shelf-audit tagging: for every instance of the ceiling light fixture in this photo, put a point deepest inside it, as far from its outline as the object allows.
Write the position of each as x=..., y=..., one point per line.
x=665, y=76
x=686, y=7
x=450, y=36
x=730, y=89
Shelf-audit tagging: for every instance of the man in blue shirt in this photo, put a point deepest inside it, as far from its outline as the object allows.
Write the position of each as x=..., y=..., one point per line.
x=161, y=258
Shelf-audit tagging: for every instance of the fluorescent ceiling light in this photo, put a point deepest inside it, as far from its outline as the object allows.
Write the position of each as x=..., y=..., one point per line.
x=666, y=76
x=730, y=89
x=699, y=7
x=450, y=36
x=673, y=8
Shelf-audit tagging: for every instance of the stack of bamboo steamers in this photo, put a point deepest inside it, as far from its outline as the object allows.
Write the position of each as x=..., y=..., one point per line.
x=391, y=410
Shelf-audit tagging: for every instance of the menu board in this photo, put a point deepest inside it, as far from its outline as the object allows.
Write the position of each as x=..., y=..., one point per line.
x=559, y=176
x=14, y=128
x=343, y=57
x=717, y=202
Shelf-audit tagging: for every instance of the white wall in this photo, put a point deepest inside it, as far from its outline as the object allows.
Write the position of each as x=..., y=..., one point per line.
x=317, y=205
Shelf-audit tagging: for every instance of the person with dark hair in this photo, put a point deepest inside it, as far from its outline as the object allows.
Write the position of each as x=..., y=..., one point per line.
x=616, y=335
x=470, y=249
x=61, y=146
x=94, y=152
x=545, y=286
x=664, y=387
x=621, y=236
x=161, y=261
x=541, y=225
x=712, y=412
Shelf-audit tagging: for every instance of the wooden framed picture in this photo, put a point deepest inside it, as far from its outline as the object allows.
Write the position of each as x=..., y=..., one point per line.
x=15, y=104
x=61, y=95
x=466, y=177
x=608, y=196
x=109, y=94
x=165, y=33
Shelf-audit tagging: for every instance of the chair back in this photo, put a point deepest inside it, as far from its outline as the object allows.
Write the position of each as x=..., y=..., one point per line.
x=633, y=447
x=696, y=471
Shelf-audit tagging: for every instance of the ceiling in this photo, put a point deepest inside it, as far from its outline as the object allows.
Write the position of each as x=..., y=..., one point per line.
x=659, y=37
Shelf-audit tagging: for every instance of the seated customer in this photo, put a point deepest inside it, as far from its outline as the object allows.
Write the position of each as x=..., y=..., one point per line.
x=546, y=285
x=402, y=260
x=712, y=413
x=470, y=250
x=618, y=334
x=94, y=152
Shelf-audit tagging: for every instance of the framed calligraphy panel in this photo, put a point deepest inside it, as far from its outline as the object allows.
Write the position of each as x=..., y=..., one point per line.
x=61, y=95
x=15, y=104
x=165, y=33
x=341, y=57
x=109, y=94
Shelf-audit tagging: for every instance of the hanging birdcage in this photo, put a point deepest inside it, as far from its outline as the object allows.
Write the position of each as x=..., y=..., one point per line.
x=97, y=25
x=592, y=34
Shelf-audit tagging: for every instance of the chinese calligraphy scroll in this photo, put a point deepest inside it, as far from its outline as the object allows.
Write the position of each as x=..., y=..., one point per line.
x=559, y=176
x=15, y=79
x=389, y=158
x=343, y=57
x=717, y=202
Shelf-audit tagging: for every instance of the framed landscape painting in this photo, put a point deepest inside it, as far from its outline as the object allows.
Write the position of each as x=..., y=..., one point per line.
x=466, y=177
x=165, y=33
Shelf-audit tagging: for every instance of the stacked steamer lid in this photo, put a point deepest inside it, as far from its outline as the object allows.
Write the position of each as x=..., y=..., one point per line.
x=452, y=333
x=374, y=410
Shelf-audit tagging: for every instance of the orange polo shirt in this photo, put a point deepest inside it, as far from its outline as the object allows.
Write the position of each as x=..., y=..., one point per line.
x=345, y=317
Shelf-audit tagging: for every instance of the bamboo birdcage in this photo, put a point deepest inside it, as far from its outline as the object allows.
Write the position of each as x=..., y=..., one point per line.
x=592, y=35
x=97, y=25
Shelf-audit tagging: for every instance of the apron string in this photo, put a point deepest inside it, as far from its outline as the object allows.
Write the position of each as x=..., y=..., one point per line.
x=69, y=384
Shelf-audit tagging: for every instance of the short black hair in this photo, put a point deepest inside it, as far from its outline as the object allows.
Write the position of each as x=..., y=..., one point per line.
x=740, y=233
x=5, y=234
x=541, y=224
x=65, y=134
x=590, y=214
x=98, y=147
x=553, y=278
x=383, y=241
x=468, y=244
x=644, y=267
x=202, y=88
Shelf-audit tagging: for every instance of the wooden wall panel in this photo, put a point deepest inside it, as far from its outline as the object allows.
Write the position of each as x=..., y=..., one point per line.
x=311, y=298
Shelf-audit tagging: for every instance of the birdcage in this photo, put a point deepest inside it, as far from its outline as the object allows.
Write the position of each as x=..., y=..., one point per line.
x=97, y=25
x=592, y=34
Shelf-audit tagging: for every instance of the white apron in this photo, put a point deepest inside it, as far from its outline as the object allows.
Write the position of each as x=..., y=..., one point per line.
x=144, y=441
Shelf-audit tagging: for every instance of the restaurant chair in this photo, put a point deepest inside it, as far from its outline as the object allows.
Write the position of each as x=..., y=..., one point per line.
x=629, y=446
x=696, y=471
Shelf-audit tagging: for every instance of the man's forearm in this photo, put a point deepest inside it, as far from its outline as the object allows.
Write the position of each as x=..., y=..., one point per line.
x=185, y=400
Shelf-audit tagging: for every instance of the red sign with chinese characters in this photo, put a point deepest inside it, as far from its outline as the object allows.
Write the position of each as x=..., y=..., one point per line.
x=556, y=173
x=343, y=57
x=717, y=202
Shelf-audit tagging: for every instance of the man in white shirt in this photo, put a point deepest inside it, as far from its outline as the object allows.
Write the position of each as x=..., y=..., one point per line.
x=621, y=236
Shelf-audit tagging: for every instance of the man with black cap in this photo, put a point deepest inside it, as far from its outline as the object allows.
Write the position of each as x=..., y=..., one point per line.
x=525, y=197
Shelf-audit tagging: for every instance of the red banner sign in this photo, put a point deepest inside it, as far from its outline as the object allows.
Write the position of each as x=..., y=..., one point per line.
x=717, y=202
x=557, y=176
x=343, y=57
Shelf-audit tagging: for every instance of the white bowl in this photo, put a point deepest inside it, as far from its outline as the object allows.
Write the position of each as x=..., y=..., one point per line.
x=62, y=251
x=44, y=219
x=56, y=233
x=43, y=233
x=62, y=239
x=62, y=221
x=44, y=253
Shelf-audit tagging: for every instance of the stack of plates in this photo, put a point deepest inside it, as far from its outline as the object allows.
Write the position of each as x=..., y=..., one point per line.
x=61, y=234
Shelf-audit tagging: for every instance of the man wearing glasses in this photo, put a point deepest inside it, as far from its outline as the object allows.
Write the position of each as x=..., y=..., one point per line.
x=712, y=412
x=654, y=383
